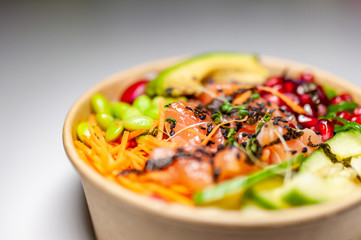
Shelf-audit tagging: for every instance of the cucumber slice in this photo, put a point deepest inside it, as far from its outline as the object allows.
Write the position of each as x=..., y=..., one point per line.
x=268, y=194
x=346, y=144
x=315, y=162
x=228, y=194
x=309, y=188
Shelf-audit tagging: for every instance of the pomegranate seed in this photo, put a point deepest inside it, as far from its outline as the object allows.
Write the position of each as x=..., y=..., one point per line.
x=326, y=128
x=305, y=99
x=278, y=87
x=321, y=95
x=356, y=119
x=357, y=111
x=310, y=110
x=336, y=100
x=289, y=86
x=274, y=81
x=307, y=121
x=321, y=109
x=307, y=77
x=345, y=115
x=346, y=97
x=293, y=97
x=134, y=91
x=272, y=98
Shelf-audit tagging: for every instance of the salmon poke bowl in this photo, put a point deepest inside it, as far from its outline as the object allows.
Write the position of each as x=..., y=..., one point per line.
x=220, y=145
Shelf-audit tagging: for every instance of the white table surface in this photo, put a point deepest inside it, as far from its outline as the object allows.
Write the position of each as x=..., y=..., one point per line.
x=53, y=51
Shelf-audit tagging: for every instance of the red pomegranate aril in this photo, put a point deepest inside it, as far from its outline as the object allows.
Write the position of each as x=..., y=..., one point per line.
x=336, y=100
x=272, y=98
x=289, y=86
x=346, y=97
x=326, y=129
x=293, y=97
x=134, y=91
x=322, y=95
x=307, y=77
x=274, y=81
x=356, y=119
x=305, y=99
x=321, y=109
x=278, y=87
x=310, y=110
x=307, y=121
x=357, y=111
x=345, y=115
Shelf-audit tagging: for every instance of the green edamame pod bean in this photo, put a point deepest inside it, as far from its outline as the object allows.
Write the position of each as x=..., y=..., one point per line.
x=137, y=122
x=114, y=131
x=119, y=109
x=142, y=103
x=131, y=111
x=82, y=129
x=139, y=138
x=152, y=112
x=100, y=104
x=104, y=120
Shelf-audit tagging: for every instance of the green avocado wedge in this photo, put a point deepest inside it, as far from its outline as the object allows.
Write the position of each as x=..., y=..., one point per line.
x=228, y=194
x=185, y=78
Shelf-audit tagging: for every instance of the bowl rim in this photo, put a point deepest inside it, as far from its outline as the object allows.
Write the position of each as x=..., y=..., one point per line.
x=195, y=215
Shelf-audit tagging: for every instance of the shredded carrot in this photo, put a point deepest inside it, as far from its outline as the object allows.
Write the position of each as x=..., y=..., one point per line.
x=240, y=99
x=289, y=102
x=136, y=133
x=161, y=118
x=132, y=185
x=123, y=143
x=168, y=194
x=155, y=124
x=205, y=141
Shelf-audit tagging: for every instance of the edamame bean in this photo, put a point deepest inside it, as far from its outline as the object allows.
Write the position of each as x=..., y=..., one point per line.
x=100, y=104
x=142, y=103
x=114, y=131
x=82, y=129
x=119, y=109
x=104, y=120
x=140, y=138
x=152, y=112
x=131, y=111
x=137, y=122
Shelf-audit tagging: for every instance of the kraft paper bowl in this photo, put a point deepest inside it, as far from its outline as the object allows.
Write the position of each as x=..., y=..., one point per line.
x=118, y=213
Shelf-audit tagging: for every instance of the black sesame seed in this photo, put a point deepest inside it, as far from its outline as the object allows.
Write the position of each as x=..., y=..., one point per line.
x=216, y=173
x=203, y=128
x=210, y=143
x=220, y=147
x=172, y=132
x=272, y=111
x=318, y=132
x=209, y=129
x=304, y=150
x=269, y=103
x=189, y=108
x=293, y=152
x=172, y=125
x=202, y=117
x=169, y=91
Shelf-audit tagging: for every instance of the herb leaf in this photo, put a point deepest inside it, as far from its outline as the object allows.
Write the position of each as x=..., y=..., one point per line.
x=343, y=106
x=170, y=120
x=263, y=121
x=217, y=117
x=348, y=126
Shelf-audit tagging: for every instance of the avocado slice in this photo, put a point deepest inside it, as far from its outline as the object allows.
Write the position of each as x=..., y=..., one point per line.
x=186, y=78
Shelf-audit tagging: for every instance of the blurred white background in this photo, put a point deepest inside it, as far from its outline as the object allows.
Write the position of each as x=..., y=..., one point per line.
x=53, y=51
